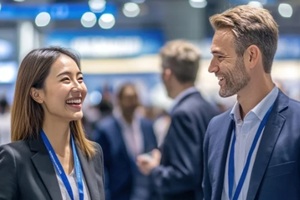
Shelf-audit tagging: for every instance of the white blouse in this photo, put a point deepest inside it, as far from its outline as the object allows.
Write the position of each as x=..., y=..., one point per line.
x=72, y=180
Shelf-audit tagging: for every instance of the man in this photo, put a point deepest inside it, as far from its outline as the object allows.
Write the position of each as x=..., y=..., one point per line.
x=178, y=174
x=122, y=137
x=252, y=151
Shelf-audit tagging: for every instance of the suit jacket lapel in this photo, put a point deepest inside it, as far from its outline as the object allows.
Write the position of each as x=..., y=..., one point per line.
x=88, y=172
x=267, y=144
x=222, y=155
x=119, y=135
x=45, y=169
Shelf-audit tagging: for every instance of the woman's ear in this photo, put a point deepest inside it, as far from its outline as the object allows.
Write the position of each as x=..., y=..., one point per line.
x=36, y=95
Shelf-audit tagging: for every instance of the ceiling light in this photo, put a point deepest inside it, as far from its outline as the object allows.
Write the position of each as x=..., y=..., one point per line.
x=131, y=9
x=106, y=21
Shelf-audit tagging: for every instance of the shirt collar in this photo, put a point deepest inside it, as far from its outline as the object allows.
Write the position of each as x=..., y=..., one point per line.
x=260, y=109
x=118, y=115
x=182, y=95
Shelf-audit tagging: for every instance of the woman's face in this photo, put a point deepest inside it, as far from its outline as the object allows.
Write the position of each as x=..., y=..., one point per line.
x=63, y=92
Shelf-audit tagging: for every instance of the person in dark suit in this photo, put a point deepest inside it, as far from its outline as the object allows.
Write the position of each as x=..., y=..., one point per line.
x=123, y=136
x=50, y=158
x=177, y=170
x=252, y=150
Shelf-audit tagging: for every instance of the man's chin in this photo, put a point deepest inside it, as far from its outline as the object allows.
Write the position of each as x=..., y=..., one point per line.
x=225, y=94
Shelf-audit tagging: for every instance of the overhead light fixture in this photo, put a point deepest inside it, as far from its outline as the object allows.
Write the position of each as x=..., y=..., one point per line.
x=131, y=9
x=97, y=5
x=285, y=10
x=106, y=21
x=88, y=19
x=198, y=3
x=42, y=19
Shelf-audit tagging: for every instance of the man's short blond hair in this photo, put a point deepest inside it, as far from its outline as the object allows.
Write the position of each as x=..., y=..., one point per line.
x=250, y=26
x=183, y=58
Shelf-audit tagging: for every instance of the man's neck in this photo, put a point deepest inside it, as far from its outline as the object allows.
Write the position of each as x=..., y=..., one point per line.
x=180, y=88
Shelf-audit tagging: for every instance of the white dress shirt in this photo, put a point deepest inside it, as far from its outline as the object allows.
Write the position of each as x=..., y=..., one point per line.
x=134, y=141
x=245, y=131
x=131, y=133
x=180, y=96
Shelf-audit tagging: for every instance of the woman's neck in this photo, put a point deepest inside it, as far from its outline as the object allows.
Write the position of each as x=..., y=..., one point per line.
x=59, y=138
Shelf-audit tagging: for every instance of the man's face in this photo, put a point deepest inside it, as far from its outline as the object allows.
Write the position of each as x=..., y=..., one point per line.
x=166, y=79
x=227, y=65
x=129, y=100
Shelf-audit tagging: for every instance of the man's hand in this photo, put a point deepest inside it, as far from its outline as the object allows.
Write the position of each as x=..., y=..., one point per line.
x=147, y=162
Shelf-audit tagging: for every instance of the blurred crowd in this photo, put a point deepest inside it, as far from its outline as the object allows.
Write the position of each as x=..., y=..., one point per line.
x=4, y=121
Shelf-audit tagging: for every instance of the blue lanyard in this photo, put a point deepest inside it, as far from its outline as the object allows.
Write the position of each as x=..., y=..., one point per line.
x=246, y=167
x=60, y=169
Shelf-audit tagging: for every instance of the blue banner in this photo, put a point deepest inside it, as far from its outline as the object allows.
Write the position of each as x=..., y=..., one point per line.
x=108, y=43
x=288, y=47
x=57, y=11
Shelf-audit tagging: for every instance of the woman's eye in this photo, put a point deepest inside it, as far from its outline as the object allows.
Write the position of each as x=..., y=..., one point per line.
x=80, y=79
x=65, y=79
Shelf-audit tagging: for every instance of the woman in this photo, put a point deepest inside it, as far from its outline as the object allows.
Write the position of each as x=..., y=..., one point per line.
x=50, y=157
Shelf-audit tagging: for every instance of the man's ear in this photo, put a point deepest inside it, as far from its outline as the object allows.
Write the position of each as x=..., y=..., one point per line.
x=36, y=95
x=167, y=73
x=252, y=56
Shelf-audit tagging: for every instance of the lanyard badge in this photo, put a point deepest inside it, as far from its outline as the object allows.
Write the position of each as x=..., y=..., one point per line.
x=60, y=169
x=235, y=195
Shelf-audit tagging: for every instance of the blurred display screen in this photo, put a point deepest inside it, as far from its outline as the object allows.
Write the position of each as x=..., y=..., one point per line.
x=8, y=71
x=58, y=11
x=108, y=44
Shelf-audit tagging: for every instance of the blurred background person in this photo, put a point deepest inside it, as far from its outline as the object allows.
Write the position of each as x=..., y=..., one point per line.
x=123, y=136
x=177, y=170
x=161, y=125
x=4, y=121
x=94, y=113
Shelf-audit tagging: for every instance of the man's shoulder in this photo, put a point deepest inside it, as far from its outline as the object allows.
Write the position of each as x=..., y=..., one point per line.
x=108, y=122
x=195, y=102
x=223, y=116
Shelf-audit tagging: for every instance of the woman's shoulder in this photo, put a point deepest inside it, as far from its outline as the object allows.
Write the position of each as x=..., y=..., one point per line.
x=14, y=150
x=20, y=145
x=98, y=149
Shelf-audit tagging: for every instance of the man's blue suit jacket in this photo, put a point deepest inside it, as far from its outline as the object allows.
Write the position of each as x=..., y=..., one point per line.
x=276, y=170
x=120, y=167
x=179, y=175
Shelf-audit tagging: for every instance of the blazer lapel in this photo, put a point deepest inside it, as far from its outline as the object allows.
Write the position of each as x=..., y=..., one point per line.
x=120, y=137
x=88, y=172
x=222, y=154
x=267, y=144
x=44, y=168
